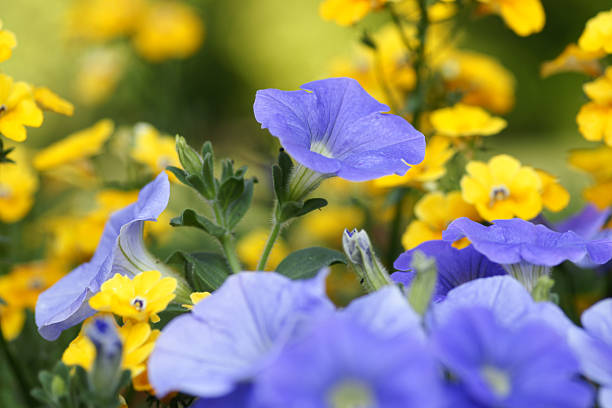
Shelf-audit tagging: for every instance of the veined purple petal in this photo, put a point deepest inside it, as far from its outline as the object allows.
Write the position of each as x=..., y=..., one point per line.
x=232, y=334
x=334, y=127
x=64, y=304
x=455, y=266
x=587, y=223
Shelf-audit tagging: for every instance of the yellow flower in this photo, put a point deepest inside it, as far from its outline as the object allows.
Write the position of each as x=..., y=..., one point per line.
x=597, y=35
x=47, y=99
x=138, y=341
x=167, y=30
x=465, y=120
x=574, y=59
x=17, y=109
x=481, y=79
x=524, y=17
x=594, y=161
x=329, y=223
x=437, y=153
x=554, y=196
x=434, y=212
x=599, y=194
x=77, y=146
x=154, y=150
x=102, y=20
x=195, y=298
x=600, y=90
x=19, y=289
x=8, y=41
x=436, y=12
x=595, y=122
x=347, y=12
x=18, y=183
x=138, y=299
x=251, y=246
x=502, y=188
x=98, y=74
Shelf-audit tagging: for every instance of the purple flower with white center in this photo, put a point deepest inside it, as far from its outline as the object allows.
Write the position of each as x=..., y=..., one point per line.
x=525, y=250
x=506, y=298
x=120, y=250
x=593, y=346
x=232, y=334
x=455, y=266
x=343, y=364
x=333, y=127
x=515, y=367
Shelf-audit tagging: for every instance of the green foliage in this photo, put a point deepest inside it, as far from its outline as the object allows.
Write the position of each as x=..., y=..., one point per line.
x=305, y=263
x=424, y=282
x=204, y=271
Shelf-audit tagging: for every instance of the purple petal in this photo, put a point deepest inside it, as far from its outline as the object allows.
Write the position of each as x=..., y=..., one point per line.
x=587, y=223
x=231, y=334
x=64, y=304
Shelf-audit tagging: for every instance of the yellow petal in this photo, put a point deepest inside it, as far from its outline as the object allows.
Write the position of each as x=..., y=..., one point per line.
x=51, y=101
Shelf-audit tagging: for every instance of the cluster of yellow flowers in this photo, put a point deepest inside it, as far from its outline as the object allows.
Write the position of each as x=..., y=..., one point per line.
x=136, y=301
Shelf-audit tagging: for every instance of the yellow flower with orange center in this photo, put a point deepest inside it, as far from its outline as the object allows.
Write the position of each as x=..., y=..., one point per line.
x=574, y=59
x=597, y=35
x=347, y=12
x=17, y=109
x=524, y=17
x=168, y=29
x=433, y=214
x=464, y=121
x=138, y=299
x=437, y=153
x=8, y=41
x=502, y=188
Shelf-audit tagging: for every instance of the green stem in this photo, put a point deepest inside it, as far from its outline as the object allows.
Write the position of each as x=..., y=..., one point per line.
x=420, y=91
x=394, y=247
x=276, y=227
x=227, y=242
x=22, y=383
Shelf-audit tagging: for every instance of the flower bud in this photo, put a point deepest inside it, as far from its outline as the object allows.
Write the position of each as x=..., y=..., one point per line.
x=358, y=250
x=189, y=158
x=424, y=282
x=106, y=371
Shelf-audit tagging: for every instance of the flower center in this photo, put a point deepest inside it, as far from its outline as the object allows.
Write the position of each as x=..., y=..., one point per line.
x=139, y=303
x=497, y=379
x=5, y=191
x=321, y=148
x=351, y=394
x=36, y=284
x=2, y=109
x=498, y=193
x=163, y=162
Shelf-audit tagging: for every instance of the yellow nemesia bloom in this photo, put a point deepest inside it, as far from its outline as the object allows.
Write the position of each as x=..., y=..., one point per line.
x=481, y=79
x=250, y=247
x=465, y=120
x=594, y=161
x=8, y=41
x=595, y=122
x=437, y=12
x=17, y=109
x=139, y=299
x=102, y=20
x=597, y=35
x=18, y=183
x=195, y=298
x=600, y=90
x=502, y=188
x=574, y=59
x=98, y=74
x=19, y=289
x=47, y=99
x=167, y=30
x=329, y=223
x=79, y=145
x=437, y=153
x=154, y=150
x=554, y=196
x=599, y=194
x=524, y=17
x=434, y=212
x=138, y=341
x=347, y=12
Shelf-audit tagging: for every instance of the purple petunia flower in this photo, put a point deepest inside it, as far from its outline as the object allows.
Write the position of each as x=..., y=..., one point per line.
x=515, y=367
x=587, y=223
x=335, y=128
x=342, y=364
x=525, y=250
x=120, y=250
x=233, y=333
x=454, y=266
x=593, y=345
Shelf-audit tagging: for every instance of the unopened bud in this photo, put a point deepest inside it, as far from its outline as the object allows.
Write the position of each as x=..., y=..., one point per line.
x=106, y=370
x=359, y=251
x=424, y=282
x=189, y=158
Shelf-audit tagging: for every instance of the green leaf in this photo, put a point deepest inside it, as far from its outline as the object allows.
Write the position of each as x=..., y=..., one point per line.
x=204, y=271
x=179, y=173
x=190, y=218
x=195, y=181
x=227, y=169
x=208, y=176
x=293, y=209
x=277, y=181
x=230, y=190
x=305, y=263
x=189, y=158
x=207, y=147
x=239, y=207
